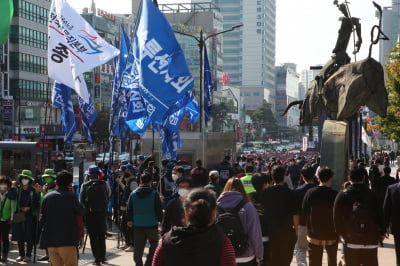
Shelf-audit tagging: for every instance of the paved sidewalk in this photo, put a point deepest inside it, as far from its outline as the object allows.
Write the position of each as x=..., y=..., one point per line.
x=116, y=257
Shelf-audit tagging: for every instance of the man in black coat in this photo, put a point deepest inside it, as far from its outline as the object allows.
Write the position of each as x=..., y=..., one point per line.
x=94, y=197
x=358, y=219
x=391, y=214
x=59, y=221
x=383, y=183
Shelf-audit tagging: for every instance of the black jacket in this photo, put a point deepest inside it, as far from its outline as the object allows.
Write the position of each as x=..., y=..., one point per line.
x=343, y=211
x=60, y=209
x=382, y=185
x=193, y=246
x=173, y=215
x=391, y=207
x=318, y=212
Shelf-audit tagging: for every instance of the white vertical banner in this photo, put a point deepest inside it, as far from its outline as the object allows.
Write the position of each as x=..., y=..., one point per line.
x=305, y=144
x=74, y=47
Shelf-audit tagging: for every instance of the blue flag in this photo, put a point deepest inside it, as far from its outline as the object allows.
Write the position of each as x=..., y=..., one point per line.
x=88, y=114
x=186, y=105
x=192, y=109
x=170, y=142
x=120, y=97
x=208, y=88
x=164, y=76
x=62, y=99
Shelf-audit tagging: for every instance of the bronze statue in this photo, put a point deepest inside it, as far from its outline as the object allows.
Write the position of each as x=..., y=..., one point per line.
x=341, y=87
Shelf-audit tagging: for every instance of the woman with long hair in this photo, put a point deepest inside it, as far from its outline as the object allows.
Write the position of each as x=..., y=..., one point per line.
x=233, y=195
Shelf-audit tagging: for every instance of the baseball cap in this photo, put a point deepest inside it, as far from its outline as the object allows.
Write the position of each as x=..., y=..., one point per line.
x=130, y=167
x=93, y=171
x=213, y=174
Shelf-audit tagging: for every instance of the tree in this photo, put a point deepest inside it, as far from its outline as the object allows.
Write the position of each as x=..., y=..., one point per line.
x=264, y=118
x=220, y=117
x=390, y=125
x=99, y=130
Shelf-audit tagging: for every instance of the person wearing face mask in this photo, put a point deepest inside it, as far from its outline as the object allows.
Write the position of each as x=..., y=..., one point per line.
x=173, y=215
x=6, y=211
x=144, y=214
x=27, y=201
x=177, y=173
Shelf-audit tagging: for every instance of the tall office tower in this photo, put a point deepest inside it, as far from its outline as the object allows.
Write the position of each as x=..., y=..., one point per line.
x=287, y=91
x=249, y=52
x=24, y=85
x=391, y=27
x=305, y=78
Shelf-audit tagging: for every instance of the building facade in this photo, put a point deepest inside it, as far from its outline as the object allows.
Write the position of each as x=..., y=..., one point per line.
x=25, y=87
x=305, y=78
x=287, y=90
x=249, y=52
x=195, y=19
x=391, y=27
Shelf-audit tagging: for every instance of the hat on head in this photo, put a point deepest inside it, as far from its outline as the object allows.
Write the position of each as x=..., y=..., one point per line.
x=27, y=174
x=214, y=174
x=122, y=167
x=130, y=167
x=141, y=157
x=170, y=165
x=93, y=171
x=49, y=173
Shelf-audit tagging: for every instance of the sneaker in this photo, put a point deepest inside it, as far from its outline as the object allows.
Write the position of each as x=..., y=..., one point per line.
x=27, y=259
x=43, y=258
x=4, y=257
x=124, y=247
x=129, y=249
x=20, y=258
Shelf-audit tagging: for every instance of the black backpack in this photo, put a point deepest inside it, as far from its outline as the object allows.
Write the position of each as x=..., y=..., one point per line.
x=230, y=223
x=362, y=222
x=96, y=197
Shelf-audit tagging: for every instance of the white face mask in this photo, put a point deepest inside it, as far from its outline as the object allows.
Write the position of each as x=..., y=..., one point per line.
x=24, y=181
x=183, y=192
x=3, y=187
x=175, y=177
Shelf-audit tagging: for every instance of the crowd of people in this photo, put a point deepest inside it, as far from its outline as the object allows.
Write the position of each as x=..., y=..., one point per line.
x=252, y=211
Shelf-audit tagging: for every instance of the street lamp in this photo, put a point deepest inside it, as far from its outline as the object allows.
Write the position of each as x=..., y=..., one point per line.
x=201, y=42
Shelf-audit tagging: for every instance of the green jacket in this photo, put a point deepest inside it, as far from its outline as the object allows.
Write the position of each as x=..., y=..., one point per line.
x=7, y=206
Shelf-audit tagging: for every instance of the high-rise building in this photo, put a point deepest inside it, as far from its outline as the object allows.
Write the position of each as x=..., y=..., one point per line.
x=194, y=19
x=287, y=84
x=391, y=27
x=25, y=87
x=305, y=78
x=249, y=52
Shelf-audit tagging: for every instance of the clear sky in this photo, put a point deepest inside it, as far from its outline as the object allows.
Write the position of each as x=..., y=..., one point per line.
x=306, y=30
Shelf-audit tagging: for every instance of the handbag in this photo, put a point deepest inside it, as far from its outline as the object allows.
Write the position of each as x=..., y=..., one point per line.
x=19, y=217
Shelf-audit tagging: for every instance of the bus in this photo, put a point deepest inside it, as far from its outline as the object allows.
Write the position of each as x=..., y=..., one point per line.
x=18, y=155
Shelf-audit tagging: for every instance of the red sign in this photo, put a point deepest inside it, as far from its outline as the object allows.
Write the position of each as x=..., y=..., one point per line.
x=43, y=145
